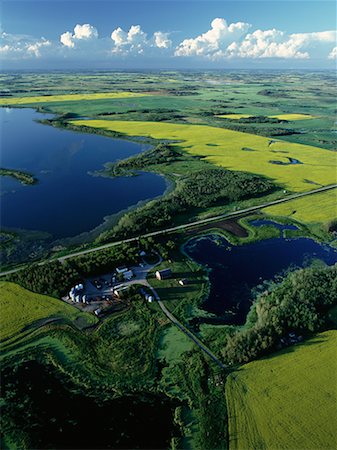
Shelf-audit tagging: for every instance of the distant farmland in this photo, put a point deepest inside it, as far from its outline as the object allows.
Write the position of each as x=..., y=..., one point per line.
x=66, y=98
x=287, y=401
x=238, y=151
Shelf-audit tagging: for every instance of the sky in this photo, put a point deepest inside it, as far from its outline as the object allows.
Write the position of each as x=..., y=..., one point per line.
x=167, y=34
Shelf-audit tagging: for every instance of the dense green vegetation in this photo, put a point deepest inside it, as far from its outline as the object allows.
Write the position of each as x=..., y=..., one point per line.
x=23, y=177
x=195, y=190
x=52, y=279
x=161, y=154
x=299, y=304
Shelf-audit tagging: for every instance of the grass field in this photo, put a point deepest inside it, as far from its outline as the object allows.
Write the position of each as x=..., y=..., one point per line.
x=287, y=401
x=228, y=149
x=322, y=208
x=67, y=98
x=21, y=308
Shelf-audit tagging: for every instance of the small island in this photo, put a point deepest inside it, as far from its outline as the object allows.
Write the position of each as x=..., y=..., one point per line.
x=23, y=177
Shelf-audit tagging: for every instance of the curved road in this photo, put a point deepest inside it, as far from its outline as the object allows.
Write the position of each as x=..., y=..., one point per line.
x=188, y=333
x=181, y=227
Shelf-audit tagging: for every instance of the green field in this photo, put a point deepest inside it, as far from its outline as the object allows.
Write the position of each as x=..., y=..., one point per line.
x=322, y=208
x=67, y=98
x=21, y=308
x=287, y=401
x=173, y=343
x=226, y=148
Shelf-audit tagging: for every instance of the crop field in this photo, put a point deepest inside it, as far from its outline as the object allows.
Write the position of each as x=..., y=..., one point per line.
x=287, y=401
x=322, y=208
x=21, y=308
x=67, y=98
x=293, y=116
x=238, y=151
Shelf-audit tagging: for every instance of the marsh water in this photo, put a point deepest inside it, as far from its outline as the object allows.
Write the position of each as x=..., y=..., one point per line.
x=59, y=418
x=236, y=270
x=67, y=200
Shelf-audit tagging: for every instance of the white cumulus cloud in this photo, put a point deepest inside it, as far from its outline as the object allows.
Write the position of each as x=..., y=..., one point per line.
x=136, y=41
x=267, y=44
x=333, y=53
x=213, y=42
x=277, y=44
x=83, y=32
x=15, y=46
x=161, y=39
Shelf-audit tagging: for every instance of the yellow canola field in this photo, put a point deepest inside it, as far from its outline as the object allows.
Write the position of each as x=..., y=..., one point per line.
x=67, y=98
x=322, y=208
x=287, y=401
x=21, y=308
x=238, y=151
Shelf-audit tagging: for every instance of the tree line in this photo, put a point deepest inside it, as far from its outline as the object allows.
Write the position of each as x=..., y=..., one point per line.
x=199, y=189
x=299, y=304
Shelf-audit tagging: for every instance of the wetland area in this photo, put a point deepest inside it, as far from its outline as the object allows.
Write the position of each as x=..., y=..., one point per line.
x=235, y=270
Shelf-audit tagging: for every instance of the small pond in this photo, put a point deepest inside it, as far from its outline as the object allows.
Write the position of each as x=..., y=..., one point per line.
x=236, y=270
x=279, y=226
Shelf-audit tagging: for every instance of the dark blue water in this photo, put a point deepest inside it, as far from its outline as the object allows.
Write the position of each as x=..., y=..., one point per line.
x=260, y=222
x=235, y=270
x=67, y=200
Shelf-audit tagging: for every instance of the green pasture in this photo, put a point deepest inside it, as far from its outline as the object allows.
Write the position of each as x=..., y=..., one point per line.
x=238, y=151
x=287, y=401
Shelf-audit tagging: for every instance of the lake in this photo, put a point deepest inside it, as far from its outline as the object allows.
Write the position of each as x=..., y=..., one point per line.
x=236, y=270
x=67, y=200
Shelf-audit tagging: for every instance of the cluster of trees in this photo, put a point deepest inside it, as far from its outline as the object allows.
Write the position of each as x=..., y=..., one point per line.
x=207, y=187
x=161, y=154
x=274, y=93
x=261, y=131
x=298, y=304
x=103, y=261
x=199, y=189
x=52, y=279
x=55, y=278
x=258, y=119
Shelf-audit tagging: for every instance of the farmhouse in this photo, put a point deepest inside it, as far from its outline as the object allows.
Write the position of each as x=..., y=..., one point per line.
x=128, y=275
x=163, y=274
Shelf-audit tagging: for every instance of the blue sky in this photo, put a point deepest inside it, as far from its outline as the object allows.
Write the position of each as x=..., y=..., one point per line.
x=168, y=34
